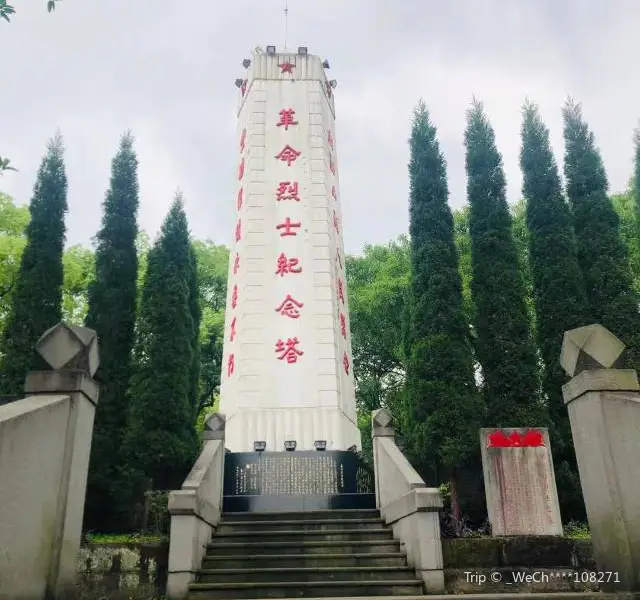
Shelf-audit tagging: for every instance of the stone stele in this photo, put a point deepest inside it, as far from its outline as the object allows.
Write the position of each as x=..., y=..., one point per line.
x=519, y=482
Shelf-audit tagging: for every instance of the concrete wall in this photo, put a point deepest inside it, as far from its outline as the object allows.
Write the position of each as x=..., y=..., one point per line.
x=33, y=434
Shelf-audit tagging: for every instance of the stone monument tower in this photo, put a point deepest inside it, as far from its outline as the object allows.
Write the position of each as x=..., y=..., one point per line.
x=287, y=368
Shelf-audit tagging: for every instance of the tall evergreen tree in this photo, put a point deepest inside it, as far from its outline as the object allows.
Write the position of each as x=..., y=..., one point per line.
x=559, y=292
x=601, y=252
x=161, y=442
x=505, y=348
x=443, y=406
x=37, y=296
x=195, y=309
x=112, y=313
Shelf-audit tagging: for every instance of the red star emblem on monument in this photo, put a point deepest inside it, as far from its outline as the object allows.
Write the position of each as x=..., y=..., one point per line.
x=286, y=67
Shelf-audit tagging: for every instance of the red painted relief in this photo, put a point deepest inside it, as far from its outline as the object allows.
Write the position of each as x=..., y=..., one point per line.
x=330, y=139
x=336, y=223
x=345, y=363
x=241, y=170
x=238, y=230
x=332, y=165
x=289, y=351
x=287, y=226
x=243, y=138
x=334, y=193
x=234, y=296
x=290, y=307
x=343, y=326
x=499, y=439
x=288, y=155
x=236, y=264
x=286, y=118
x=240, y=198
x=341, y=290
x=287, y=190
x=287, y=265
x=232, y=332
x=231, y=365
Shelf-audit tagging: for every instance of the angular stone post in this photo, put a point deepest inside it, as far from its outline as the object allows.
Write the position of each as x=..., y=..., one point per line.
x=407, y=504
x=195, y=510
x=604, y=410
x=72, y=352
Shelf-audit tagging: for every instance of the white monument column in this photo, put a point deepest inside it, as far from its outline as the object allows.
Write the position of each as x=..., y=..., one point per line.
x=287, y=366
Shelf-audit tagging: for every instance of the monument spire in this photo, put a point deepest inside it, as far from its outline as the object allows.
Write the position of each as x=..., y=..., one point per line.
x=286, y=22
x=287, y=377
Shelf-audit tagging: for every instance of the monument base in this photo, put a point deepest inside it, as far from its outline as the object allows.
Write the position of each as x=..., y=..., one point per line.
x=275, y=426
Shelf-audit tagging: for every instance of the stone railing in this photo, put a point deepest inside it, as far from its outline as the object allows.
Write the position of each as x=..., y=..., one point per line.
x=195, y=510
x=45, y=441
x=407, y=504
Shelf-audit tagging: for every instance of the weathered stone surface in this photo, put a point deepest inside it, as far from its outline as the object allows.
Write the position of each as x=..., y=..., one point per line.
x=590, y=347
x=70, y=347
x=520, y=486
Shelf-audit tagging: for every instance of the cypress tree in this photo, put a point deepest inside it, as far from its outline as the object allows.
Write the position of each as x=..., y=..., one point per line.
x=559, y=292
x=36, y=304
x=112, y=313
x=443, y=406
x=601, y=252
x=195, y=309
x=160, y=442
x=505, y=347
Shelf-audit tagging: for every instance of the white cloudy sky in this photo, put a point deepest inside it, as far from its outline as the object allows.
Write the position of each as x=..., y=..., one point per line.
x=166, y=69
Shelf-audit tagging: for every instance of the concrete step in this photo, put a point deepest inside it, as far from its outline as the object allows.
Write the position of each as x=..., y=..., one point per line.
x=293, y=535
x=266, y=561
x=306, y=546
x=306, y=574
x=302, y=515
x=299, y=524
x=303, y=589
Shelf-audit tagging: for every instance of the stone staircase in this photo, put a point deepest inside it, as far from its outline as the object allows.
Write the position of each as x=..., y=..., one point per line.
x=316, y=554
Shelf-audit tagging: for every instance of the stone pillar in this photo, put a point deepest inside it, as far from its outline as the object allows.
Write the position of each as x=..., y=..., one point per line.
x=604, y=410
x=72, y=352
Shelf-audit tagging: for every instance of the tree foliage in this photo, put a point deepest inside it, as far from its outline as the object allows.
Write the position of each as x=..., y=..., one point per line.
x=36, y=304
x=443, y=409
x=161, y=443
x=112, y=314
x=505, y=348
x=602, y=255
x=560, y=297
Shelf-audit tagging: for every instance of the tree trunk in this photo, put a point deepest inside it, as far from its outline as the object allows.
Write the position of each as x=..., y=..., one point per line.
x=455, y=504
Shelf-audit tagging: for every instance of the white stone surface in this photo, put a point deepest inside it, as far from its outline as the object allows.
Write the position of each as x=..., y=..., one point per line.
x=265, y=397
x=45, y=442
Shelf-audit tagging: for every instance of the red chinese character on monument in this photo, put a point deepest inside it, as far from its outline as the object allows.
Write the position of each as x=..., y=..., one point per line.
x=288, y=351
x=234, y=296
x=288, y=155
x=240, y=198
x=232, y=334
x=345, y=363
x=330, y=139
x=287, y=226
x=335, y=222
x=289, y=307
x=287, y=265
x=236, y=263
x=243, y=137
x=343, y=326
x=332, y=166
x=341, y=290
x=333, y=192
x=286, y=67
x=241, y=170
x=499, y=439
x=286, y=118
x=238, y=230
x=287, y=190
x=231, y=365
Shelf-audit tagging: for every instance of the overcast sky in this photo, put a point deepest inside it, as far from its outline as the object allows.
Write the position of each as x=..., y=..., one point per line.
x=166, y=70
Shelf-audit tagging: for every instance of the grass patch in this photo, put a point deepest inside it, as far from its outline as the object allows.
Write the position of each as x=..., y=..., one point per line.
x=124, y=538
x=577, y=531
